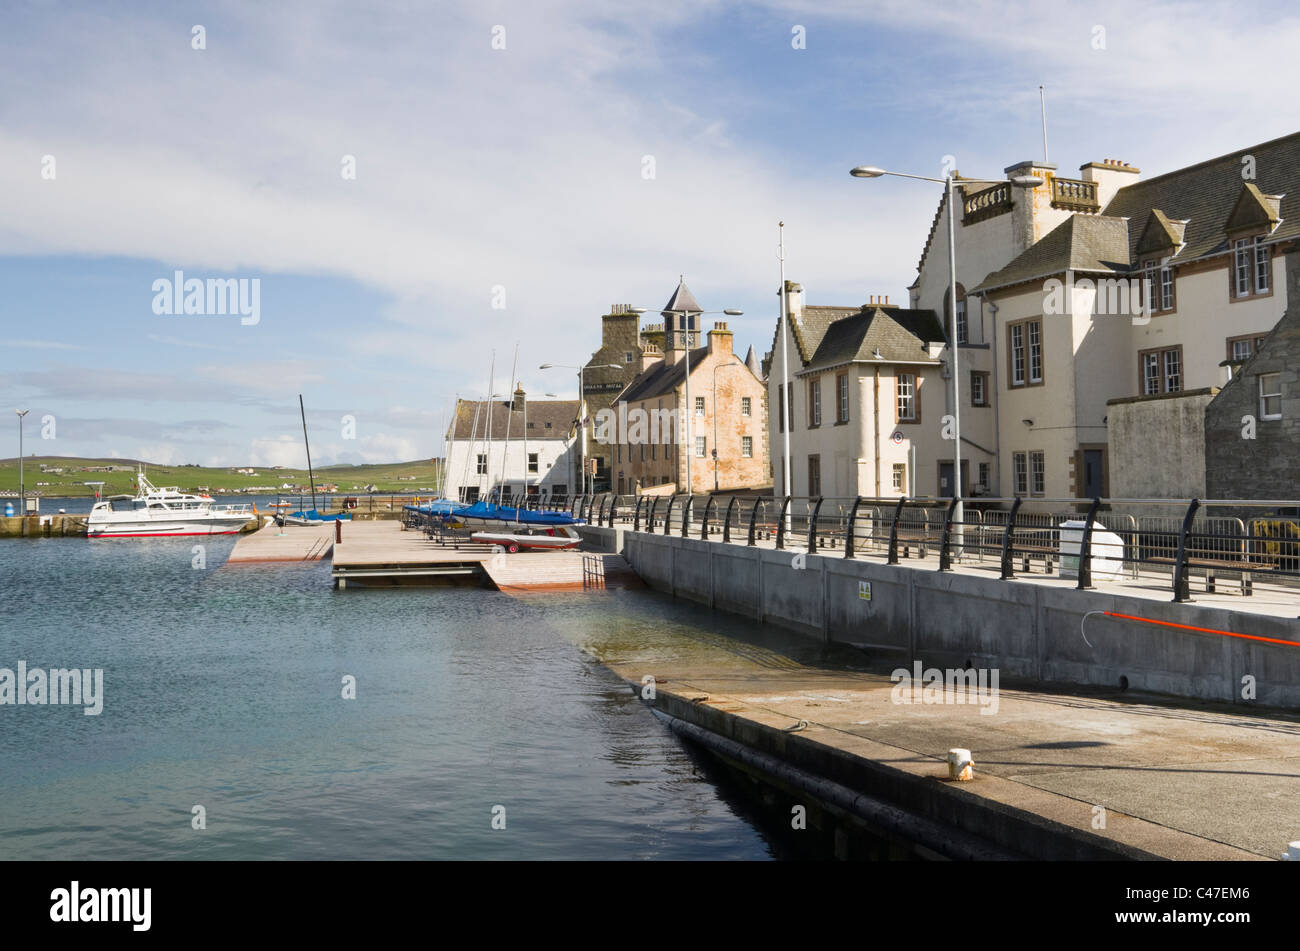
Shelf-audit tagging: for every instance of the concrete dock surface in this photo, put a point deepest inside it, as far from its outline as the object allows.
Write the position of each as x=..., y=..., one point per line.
x=1176, y=779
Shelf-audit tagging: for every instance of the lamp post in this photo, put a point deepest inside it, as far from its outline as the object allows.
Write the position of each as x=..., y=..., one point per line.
x=716, y=368
x=22, y=492
x=582, y=425
x=690, y=410
x=950, y=183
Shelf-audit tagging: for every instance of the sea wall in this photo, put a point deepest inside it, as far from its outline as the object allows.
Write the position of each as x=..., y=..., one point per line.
x=1025, y=629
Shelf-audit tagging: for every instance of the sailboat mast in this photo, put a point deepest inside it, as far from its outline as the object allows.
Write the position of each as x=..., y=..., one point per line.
x=510, y=411
x=487, y=481
x=310, y=475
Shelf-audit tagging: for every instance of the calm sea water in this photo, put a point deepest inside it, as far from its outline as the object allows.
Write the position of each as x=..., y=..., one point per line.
x=222, y=688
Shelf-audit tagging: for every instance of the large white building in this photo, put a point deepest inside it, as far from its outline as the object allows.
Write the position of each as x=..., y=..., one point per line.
x=1096, y=317
x=529, y=447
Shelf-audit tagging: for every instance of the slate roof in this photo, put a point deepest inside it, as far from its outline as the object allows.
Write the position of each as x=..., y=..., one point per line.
x=660, y=380
x=898, y=334
x=1197, y=205
x=1085, y=243
x=682, y=300
x=560, y=414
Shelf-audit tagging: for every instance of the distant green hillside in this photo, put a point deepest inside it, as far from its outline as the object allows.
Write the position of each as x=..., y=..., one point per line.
x=415, y=477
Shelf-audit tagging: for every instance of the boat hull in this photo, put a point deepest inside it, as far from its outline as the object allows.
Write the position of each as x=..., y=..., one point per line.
x=512, y=542
x=165, y=528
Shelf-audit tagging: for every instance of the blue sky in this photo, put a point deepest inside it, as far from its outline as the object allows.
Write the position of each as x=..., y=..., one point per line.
x=521, y=169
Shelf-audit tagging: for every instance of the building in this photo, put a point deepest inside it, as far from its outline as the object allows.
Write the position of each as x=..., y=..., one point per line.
x=1150, y=289
x=1252, y=426
x=863, y=400
x=621, y=357
x=527, y=446
x=647, y=426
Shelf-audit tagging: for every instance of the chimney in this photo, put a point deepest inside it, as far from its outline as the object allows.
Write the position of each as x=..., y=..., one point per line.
x=1032, y=215
x=720, y=338
x=794, y=298
x=650, y=355
x=1110, y=175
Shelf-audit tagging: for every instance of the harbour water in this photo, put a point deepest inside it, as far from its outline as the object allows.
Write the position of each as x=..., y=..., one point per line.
x=223, y=688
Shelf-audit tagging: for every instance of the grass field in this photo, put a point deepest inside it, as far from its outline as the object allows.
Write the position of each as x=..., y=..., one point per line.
x=387, y=477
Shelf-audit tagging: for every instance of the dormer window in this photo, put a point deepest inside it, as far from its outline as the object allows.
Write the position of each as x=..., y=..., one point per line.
x=1158, y=280
x=1251, y=266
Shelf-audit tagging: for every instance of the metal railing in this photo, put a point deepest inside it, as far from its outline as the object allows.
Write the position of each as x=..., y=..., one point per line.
x=1168, y=541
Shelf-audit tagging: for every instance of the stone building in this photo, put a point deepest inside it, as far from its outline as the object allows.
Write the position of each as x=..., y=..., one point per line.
x=725, y=432
x=1252, y=427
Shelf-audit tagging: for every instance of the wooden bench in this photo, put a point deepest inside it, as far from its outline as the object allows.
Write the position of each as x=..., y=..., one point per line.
x=1213, y=566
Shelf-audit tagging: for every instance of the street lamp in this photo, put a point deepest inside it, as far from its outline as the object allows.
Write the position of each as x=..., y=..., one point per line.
x=22, y=494
x=949, y=183
x=690, y=410
x=582, y=426
x=716, y=368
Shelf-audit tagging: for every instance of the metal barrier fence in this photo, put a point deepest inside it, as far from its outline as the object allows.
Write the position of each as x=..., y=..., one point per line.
x=1126, y=540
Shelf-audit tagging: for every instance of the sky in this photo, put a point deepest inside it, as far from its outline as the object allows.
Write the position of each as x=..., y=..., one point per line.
x=419, y=188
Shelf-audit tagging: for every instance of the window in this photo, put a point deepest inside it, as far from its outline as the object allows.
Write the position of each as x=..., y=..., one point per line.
x=1251, y=266
x=1038, y=472
x=1020, y=466
x=747, y=447
x=746, y=405
x=482, y=464
x=961, y=330
x=699, y=406
x=701, y=447
x=814, y=475
x=984, y=476
x=900, y=477
x=961, y=321
x=1270, y=396
x=780, y=409
x=789, y=406
x=532, y=462
x=1035, y=328
x=905, y=384
x=1025, y=352
x=1158, y=286
x=979, y=388
x=1017, y=333
x=628, y=356
x=1241, y=349
x=1162, y=371
x=842, y=398
x=814, y=403
x=654, y=450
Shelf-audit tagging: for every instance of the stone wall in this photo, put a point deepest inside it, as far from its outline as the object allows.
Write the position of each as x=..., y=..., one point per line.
x=1157, y=445
x=1267, y=466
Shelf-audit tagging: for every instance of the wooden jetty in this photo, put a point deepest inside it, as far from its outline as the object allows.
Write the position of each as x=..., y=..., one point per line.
x=384, y=553
x=290, y=543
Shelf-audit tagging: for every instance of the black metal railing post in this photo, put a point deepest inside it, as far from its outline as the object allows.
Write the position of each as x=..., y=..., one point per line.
x=780, y=524
x=945, y=557
x=613, y=509
x=893, y=532
x=636, y=516
x=812, y=526
x=1009, y=542
x=668, y=516
x=686, y=515
x=1085, y=547
x=726, y=524
x=1182, y=584
x=650, y=519
x=853, y=520
x=704, y=526
x=753, y=521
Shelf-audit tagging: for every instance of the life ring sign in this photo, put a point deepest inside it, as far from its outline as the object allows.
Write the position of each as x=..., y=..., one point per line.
x=897, y=437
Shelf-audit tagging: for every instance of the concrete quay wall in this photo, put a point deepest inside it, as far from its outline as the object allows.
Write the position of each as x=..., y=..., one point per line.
x=1025, y=629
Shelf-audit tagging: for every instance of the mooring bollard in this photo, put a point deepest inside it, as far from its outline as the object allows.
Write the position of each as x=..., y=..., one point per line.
x=338, y=531
x=960, y=765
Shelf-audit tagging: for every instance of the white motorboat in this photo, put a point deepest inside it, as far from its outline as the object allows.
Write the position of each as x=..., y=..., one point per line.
x=154, y=512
